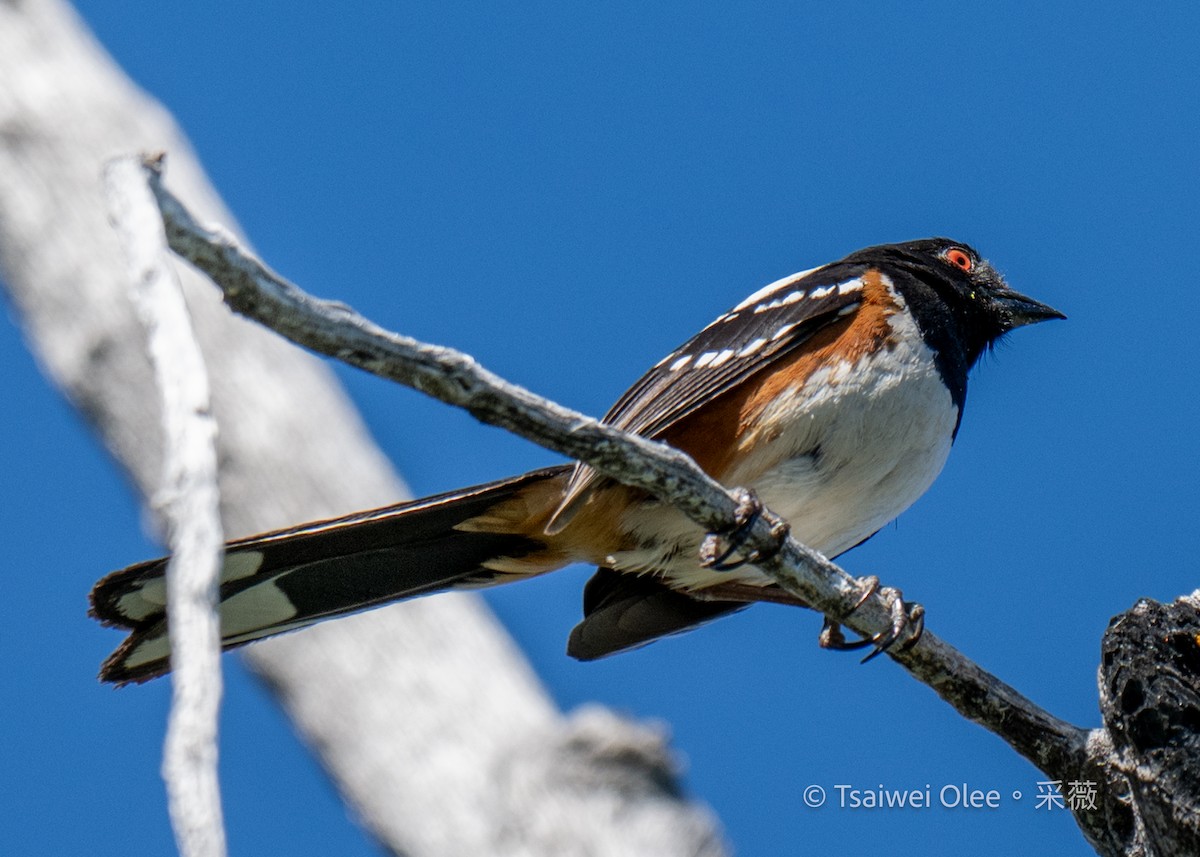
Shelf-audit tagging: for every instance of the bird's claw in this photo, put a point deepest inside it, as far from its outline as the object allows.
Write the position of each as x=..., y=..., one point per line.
x=908, y=623
x=749, y=509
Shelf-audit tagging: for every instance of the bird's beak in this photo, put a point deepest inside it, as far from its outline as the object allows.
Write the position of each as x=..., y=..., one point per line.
x=1020, y=310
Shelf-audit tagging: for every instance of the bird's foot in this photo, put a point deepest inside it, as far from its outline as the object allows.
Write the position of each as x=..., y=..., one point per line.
x=908, y=623
x=719, y=557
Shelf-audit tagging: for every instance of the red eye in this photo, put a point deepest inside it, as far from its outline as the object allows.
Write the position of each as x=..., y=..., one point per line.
x=959, y=258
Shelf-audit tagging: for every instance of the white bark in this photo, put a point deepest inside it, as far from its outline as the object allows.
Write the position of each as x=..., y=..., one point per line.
x=426, y=716
x=190, y=502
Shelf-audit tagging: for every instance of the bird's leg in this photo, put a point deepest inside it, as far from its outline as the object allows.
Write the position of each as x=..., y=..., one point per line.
x=749, y=510
x=908, y=622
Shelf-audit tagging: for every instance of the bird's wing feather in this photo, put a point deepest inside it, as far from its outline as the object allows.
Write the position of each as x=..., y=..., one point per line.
x=774, y=321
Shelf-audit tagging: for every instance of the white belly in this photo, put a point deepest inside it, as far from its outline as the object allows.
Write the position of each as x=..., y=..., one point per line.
x=860, y=444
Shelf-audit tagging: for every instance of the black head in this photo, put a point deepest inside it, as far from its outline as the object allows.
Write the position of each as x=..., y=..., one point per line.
x=949, y=283
x=960, y=303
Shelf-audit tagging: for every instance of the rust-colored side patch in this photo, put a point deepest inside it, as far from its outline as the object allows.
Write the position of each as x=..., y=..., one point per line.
x=591, y=535
x=525, y=514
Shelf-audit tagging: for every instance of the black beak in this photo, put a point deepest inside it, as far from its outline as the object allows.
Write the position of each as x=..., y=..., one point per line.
x=1019, y=310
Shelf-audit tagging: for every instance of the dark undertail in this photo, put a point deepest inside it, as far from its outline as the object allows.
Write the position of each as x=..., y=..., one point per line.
x=623, y=612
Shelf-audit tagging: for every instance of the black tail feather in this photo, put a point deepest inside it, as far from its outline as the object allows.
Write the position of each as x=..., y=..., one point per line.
x=293, y=578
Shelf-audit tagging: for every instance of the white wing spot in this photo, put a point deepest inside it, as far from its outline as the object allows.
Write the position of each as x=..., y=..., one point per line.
x=751, y=347
x=729, y=316
x=705, y=358
x=680, y=363
x=823, y=292
x=849, y=286
x=771, y=288
x=783, y=331
x=849, y=308
x=724, y=357
x=781, y=302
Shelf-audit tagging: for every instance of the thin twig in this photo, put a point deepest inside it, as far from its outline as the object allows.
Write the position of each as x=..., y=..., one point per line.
x=189, y=504
x=334, y=329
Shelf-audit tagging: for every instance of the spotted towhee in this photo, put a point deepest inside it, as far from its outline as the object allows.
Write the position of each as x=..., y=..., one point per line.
x=835, y=394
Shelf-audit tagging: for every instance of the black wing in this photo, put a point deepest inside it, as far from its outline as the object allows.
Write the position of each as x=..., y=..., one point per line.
x=774, y=321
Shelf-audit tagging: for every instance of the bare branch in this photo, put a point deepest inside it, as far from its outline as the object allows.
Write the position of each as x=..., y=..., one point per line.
x=334, y=329
x=191, y=505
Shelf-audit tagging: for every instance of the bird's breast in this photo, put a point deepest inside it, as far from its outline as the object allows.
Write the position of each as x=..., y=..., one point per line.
x=838, y=456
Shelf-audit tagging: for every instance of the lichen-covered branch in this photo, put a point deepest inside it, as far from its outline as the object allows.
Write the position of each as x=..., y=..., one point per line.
x=190, y=503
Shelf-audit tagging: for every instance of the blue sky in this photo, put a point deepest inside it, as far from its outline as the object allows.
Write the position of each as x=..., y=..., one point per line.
x=567, y=191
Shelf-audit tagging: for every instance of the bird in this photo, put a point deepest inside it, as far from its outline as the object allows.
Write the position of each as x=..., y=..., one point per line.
x=833, y=394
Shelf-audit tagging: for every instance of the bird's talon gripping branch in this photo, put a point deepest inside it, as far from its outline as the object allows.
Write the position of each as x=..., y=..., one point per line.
x=870, y=585
x=831, y=636
x=908, y=622
x=749, y=510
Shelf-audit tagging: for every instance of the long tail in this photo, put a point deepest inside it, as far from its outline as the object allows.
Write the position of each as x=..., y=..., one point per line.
x=293, y=578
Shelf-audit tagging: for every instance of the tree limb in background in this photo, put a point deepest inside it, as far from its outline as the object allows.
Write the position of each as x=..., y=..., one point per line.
x=1066, y=753
x=190, y=503
x=405, y=706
